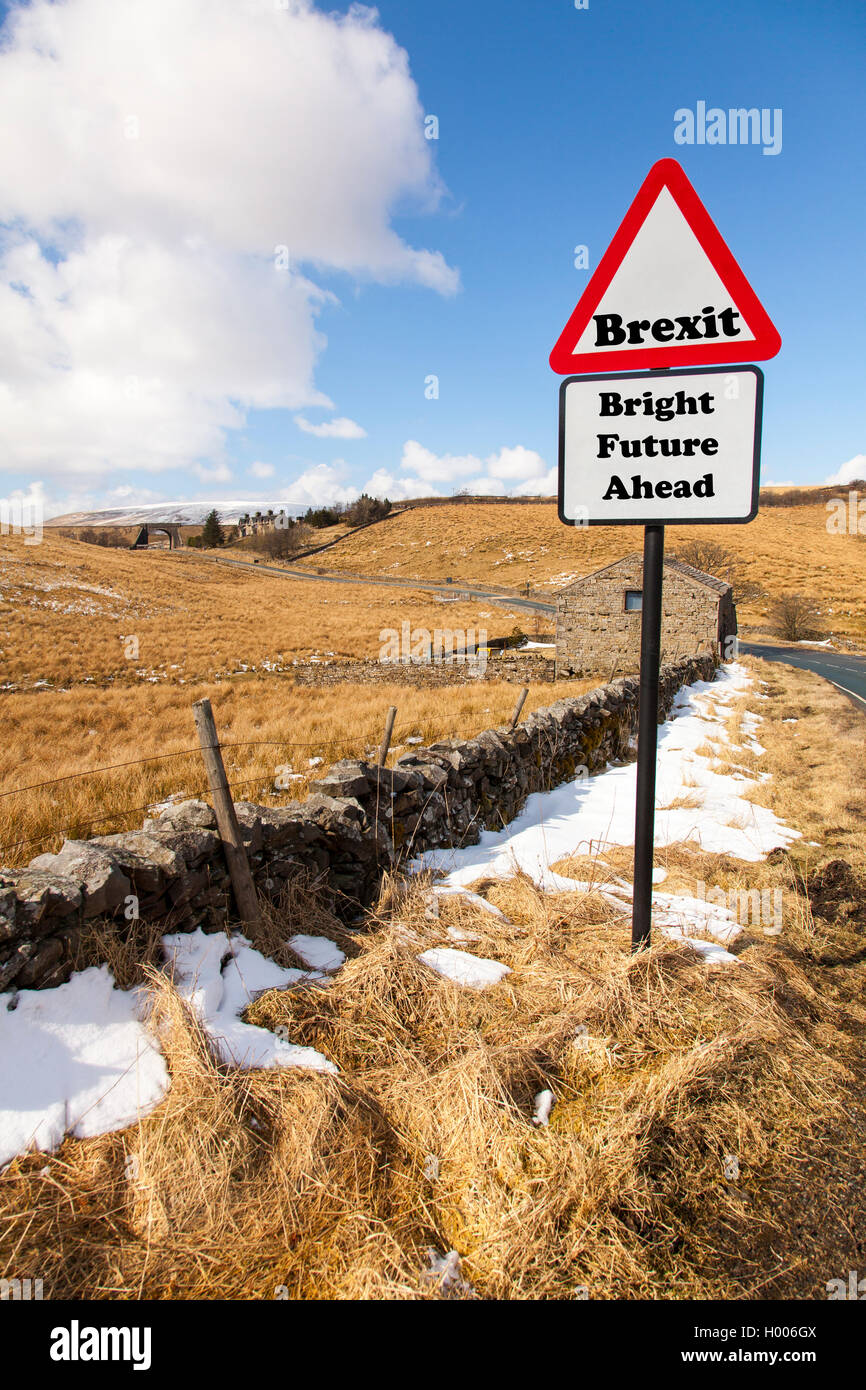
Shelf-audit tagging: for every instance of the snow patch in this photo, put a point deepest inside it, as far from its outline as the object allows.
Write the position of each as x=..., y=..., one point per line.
x=463, y=969
x=318, y=952
x=592, y=813
x=78, y=1060
x=219, y=976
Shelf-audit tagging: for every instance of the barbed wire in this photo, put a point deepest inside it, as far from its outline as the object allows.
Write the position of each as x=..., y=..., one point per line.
x=78, y=826
x=164, y=757
x=118, y=815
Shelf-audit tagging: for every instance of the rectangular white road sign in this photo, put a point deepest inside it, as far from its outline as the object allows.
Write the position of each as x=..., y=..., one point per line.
x=679, y=447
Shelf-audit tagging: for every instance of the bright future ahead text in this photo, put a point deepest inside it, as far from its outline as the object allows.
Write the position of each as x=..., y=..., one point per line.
x=662, y=408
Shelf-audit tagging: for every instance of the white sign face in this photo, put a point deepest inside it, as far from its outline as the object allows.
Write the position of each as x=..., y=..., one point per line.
x=660, y=447
x=666, y=293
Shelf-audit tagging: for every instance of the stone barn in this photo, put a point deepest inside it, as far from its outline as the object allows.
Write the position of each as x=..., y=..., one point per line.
x=598, y=618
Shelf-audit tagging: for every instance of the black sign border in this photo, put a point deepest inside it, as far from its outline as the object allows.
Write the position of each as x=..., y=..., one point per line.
x=727, y=370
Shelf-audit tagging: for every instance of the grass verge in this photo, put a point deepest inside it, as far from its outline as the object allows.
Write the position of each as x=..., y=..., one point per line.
x=704, y=1141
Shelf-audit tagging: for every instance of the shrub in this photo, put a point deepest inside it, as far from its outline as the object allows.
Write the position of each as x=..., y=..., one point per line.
x=367, y=509
x=712, y=558
x=796, y=618
x=706, y=555
x=283, y=542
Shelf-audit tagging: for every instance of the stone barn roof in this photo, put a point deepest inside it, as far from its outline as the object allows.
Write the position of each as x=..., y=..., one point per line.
x=721, y=586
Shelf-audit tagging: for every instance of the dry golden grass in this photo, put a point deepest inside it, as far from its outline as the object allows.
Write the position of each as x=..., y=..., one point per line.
x=68, y=610
x=783, y=549
x=818, y=780
x=306, y=1186
x=57, y=735
x=67, y=613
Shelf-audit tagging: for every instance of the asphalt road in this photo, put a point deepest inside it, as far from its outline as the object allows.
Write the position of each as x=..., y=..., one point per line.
x=847, y=673
x=455, y=591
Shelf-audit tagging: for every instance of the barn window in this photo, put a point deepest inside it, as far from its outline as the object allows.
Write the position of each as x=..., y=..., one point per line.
x=633, y=600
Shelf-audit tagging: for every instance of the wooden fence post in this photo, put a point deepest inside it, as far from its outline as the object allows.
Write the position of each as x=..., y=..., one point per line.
x=386, y=737
x=518, y=707
x=224, y=808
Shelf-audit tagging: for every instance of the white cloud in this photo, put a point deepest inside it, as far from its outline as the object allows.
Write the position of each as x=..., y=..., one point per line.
x=516, y=470
x=163, y=153
x=485, y=487
x=136, y=356
x=851, y=472
x=332, y=429
x=385, y=484
x=518, y=463
x=319, y=486
x=133, y=496
x=86, y=501
x=445, y=468
x=214, y=473
x=262, y=470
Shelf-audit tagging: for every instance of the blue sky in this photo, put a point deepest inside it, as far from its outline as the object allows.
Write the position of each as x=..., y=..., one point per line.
x=549, y=118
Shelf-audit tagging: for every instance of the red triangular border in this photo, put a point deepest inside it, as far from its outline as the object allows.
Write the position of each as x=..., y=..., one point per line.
x=667, y=173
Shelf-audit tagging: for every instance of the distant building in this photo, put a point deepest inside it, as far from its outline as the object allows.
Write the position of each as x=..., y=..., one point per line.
x=262, y=522
x=598, y=618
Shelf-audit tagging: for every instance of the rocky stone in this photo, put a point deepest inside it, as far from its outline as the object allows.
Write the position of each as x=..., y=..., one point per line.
x=41, y=965
x=41, y=897
x=359, y=820
x=250, y=822
x=346, y=778
x=194, y=844
x=144, y=857
x=9, y=927
x=100, y=877
x=188, y=815
x=11, y=967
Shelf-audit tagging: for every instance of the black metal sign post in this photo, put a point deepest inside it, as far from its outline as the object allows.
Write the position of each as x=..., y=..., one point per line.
x=595, y=489
x=647, y=734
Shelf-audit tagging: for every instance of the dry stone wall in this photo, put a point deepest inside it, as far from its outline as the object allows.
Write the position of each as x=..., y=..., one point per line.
x=359, y=821
x=517, y=668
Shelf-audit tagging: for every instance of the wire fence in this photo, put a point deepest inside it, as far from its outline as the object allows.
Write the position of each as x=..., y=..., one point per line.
x=116, y=815
x=162, y=757
x=78, y=826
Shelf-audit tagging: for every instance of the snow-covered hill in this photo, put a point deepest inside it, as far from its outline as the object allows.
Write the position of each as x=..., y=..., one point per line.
x=178, y=513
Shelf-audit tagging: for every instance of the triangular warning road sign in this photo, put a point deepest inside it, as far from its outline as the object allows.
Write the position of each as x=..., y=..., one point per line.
x=666, y=293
